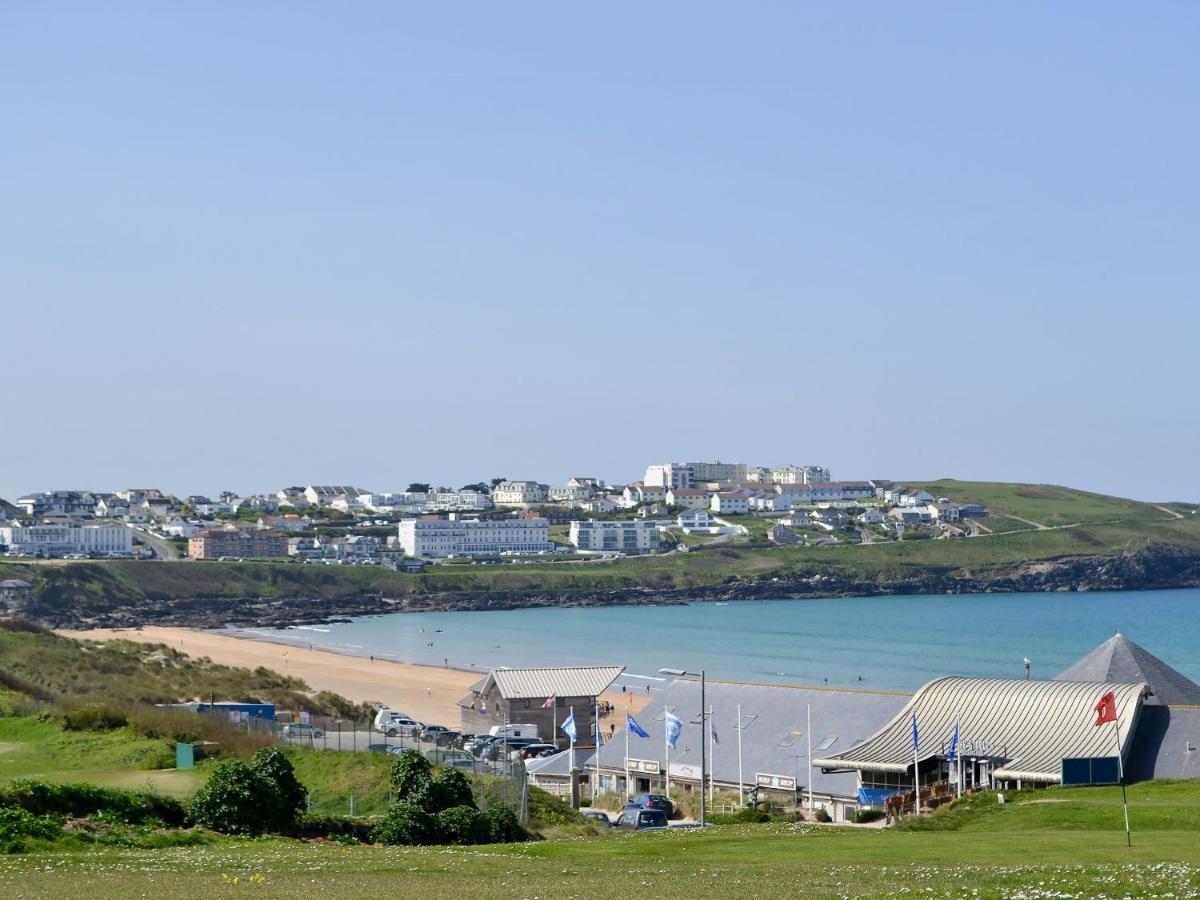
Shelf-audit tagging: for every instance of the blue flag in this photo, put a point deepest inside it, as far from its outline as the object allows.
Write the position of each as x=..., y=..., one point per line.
x=633, y=727
x=915, y=743
x=674, y=726
x=568, y=726
x=953, y=755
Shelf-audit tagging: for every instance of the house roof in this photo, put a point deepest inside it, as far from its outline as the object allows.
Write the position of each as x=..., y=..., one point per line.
x=774, y=728
x=1121, y=660
x=1028, y=726
x=574, y=681
x=559, y=764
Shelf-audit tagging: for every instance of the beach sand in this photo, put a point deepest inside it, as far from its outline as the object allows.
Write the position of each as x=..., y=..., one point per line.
x=427, y=693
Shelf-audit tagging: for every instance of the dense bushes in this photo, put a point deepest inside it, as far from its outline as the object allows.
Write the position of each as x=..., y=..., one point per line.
x=41, y=798
x=251, y=799
x=94, y=717
x=438, y=807
x=868, y=815
x=17, y=824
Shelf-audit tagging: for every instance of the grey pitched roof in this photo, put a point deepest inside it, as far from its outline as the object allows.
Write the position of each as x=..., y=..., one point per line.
x=1029, y=726
x=1121, y=660
x=575, y=681
x=774, y=730
x=559, y=765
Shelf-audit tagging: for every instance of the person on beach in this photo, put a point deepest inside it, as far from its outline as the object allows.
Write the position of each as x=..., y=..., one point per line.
x=428, y=692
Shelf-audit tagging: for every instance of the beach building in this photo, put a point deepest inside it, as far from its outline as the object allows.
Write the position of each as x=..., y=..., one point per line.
x=1029, y=733
x=434, y=538
x=774, y=736
x=511, y=696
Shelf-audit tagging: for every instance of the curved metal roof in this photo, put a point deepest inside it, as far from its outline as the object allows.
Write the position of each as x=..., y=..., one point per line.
x=1027, y=726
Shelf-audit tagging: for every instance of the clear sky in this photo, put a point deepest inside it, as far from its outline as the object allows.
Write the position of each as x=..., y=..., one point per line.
x=244, y=245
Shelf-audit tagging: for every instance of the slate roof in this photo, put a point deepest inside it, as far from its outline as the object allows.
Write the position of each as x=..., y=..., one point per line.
x=1121, y=660
x=1029, y=725
x=575, y=681
x=774, y=737
x=559, y=765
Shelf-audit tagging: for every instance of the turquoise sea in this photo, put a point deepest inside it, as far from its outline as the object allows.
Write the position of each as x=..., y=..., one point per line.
x=891, y=642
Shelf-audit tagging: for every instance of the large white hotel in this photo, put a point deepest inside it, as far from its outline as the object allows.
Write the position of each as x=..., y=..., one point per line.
x=55, y=540
x=436, y=538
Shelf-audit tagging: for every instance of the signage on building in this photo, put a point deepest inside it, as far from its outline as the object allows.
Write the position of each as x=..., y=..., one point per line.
x=684, y=770
x=649, y=766
x=775, y=782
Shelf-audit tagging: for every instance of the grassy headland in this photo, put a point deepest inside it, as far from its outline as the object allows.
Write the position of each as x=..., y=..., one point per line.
x=1032, y=529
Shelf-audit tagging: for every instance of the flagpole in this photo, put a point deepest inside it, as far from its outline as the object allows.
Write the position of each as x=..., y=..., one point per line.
x=666, y=753
x=596, y=752
x=808, y=778
x=627, y=792
x=709, y=757
x=554, y=713
x=1121, y=778
x=916, y=770
x=741, y=783
x=571, y=746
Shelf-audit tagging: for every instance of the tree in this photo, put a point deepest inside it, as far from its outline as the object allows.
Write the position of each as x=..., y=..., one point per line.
x=406, y=823
x=232, y=800
x=448, y=788
x=286, y=797
x=480, y=487
x=418, y=487
x=496, y=481
x=410, y=773
x=463, y=825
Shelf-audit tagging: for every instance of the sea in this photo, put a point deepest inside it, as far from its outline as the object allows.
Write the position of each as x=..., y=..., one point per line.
x=881, y=643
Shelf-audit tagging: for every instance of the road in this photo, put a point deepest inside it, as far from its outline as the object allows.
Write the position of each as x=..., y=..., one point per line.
x=162, y=549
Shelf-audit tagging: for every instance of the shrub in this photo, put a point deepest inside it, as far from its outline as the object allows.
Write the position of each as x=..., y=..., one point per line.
x=335, y=828
x=17, y=824
x=503, y=825
x=406, y=823
x=822, y=816
x=463, y=825
x=286, y=798
x=234, y=800
x=94, y=717
x=410, y=772
x=41, y=798
x=868, y=815
x=743, y=816
x=446, y=789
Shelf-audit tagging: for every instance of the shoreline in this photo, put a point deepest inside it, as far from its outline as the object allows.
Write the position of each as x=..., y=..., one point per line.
x=427, y=693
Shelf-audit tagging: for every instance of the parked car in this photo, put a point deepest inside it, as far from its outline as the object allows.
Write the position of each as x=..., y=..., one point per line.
x=435, y=733
x=464, y=740
x=533, y=751
x=652, y=801
x=301, y=730
x=392, y=723
x=639, y=819
x=598, y=816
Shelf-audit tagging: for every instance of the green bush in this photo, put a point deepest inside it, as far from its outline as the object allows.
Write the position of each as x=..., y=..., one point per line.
x=406, y=823
x=822, y=816
x=748, y=815
x=868, y=815
x=463, y=825
x=335, y=828
x=234, y=800
x=94, y=717
x=410, y=772
x=41, y=798
x=447, y=788
x=16, y=824
x=503, y=825
x=285, y=797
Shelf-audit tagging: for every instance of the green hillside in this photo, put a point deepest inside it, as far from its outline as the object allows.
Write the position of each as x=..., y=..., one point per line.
x=1028, y=523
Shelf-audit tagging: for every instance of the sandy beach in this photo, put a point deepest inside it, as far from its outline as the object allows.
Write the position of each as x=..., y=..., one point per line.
x=427, y=693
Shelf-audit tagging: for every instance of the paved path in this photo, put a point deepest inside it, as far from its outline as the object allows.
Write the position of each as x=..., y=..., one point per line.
x=1170, y=512
x=162, y=549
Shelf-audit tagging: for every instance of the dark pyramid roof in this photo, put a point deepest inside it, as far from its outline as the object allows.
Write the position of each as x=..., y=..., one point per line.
x=1121, y=660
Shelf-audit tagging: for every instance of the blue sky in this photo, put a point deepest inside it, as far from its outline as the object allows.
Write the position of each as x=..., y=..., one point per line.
x=249, y=245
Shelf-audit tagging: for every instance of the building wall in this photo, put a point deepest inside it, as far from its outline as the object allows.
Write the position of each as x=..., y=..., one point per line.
x=239, y=544
x=437, y=538
x=68, y=539
x=625, y=537
x=497, y=711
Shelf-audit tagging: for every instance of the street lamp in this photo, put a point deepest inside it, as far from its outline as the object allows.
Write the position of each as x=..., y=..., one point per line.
x=679, y=673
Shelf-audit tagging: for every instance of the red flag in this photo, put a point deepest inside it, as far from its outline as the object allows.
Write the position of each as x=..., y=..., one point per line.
x=549, y=702
x=1106, y=709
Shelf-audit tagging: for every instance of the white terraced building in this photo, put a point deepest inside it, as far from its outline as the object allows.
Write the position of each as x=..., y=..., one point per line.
x=438, y=538
x=638, y=536
x=55, y=540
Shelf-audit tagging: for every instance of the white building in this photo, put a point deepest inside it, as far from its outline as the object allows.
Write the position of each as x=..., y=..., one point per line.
x=326, y=494
x=457, y=501
x=177, y=526
x=519, y=493
x=694, y=519
x=872, y=515
x=55, y=540
x=730, y=502
x=688, y=498
x=688, y=474
x=635, y=536
x=600, y=505
x=436, y=538
x=790, y=474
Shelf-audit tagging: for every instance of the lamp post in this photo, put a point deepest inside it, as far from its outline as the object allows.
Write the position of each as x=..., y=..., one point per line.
x=679, y=673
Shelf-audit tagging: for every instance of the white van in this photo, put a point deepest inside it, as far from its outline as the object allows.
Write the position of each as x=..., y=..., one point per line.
x=393, y=722
x=514, y=731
